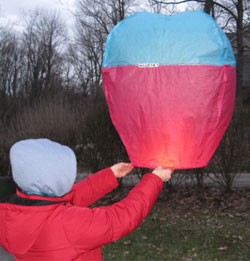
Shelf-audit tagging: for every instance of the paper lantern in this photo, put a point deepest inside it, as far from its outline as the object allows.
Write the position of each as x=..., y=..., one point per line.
x=169, y=82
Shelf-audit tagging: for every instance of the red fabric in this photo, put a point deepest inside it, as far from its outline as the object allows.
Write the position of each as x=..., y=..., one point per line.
x=73, y=232
x=171, y=116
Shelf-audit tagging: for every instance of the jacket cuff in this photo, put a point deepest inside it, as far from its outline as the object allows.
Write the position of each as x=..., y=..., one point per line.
x=154, y=178
x=110, y=175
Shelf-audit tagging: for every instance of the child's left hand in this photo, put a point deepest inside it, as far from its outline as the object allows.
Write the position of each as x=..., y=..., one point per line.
x=121, y=169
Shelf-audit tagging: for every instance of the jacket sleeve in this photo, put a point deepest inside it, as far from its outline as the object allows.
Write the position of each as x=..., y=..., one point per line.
x=92, y=188
x=91, y=228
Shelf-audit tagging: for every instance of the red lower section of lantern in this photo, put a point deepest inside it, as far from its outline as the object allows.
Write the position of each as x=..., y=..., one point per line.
x=170, y=116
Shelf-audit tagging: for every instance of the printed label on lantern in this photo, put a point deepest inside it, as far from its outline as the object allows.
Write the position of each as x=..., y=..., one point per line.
x=148, y=65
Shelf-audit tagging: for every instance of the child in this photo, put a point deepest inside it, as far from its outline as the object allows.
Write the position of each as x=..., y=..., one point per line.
x=48, y=218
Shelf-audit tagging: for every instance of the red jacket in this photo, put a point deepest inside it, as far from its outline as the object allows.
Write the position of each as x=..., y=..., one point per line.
x=39, y=228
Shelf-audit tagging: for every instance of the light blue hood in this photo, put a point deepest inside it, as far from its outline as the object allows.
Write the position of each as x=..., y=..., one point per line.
x=43, y=167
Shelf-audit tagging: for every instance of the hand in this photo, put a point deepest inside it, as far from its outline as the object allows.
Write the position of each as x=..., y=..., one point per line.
x=163, y=174
x=121, y=169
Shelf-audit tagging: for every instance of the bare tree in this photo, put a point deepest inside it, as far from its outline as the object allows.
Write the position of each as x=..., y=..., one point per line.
x=43, y=42
x=94, y=21
x=10, y=70
x=8, y=53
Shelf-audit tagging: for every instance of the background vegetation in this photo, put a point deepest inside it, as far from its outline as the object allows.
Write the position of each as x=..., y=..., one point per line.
x=50, y=83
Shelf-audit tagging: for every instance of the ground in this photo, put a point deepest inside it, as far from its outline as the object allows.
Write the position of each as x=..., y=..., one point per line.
x=187, y=226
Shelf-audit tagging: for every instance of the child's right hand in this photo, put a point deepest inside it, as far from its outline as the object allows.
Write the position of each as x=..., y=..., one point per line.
x=121, y=169
x=163, y=174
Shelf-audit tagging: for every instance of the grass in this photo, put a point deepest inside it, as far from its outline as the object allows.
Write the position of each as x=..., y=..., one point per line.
x=188, y=228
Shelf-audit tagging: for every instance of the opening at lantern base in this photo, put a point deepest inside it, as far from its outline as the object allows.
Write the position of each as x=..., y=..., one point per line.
x=165, y=163
x=167, y=166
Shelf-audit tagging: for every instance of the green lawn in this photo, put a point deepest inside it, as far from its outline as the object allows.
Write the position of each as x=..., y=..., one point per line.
x=186, y=228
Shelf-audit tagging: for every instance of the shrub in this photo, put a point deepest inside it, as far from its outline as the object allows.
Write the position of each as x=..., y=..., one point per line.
x=52, y=117
x=233, y=153
x=101, y=144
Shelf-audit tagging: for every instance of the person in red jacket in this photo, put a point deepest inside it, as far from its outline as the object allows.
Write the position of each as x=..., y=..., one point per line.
x=49, y=219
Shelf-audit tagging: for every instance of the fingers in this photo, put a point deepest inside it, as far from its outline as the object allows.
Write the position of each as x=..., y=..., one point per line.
x=122, y=169
x=127, y=166
x=163, y=173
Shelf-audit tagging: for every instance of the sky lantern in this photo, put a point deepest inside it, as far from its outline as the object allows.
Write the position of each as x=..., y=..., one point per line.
x=169, y=82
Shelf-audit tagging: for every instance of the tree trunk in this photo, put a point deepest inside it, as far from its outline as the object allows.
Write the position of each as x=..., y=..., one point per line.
x=240, y=50
x=208, y=7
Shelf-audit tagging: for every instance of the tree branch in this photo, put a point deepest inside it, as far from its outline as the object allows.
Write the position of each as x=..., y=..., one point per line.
x=199, y=1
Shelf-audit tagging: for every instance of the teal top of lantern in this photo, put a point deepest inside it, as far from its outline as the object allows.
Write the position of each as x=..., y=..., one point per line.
x=150, y=39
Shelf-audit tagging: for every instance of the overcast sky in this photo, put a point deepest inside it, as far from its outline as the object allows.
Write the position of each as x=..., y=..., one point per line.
x=11, y=10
